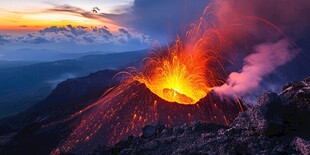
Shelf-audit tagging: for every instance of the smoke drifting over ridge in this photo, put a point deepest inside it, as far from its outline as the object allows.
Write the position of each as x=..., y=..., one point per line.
x=286, y=19
x=267, y=58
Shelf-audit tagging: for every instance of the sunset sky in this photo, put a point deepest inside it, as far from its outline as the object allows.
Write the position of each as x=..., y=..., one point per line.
x=120, y=25
x=37, y=14
x=33, y=27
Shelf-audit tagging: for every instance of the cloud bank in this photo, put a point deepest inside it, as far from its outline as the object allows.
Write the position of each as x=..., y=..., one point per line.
x=52, y=42
x=78, y=35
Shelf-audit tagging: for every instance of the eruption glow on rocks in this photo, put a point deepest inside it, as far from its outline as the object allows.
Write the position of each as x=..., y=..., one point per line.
x=182, y=72
x=179, y=76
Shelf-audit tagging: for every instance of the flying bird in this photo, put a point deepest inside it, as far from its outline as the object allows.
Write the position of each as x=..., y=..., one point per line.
x=95, y=10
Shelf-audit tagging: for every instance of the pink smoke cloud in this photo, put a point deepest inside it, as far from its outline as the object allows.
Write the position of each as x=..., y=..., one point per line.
x=266, y=59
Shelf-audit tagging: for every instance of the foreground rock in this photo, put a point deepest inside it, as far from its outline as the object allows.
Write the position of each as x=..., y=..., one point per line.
x=278, y=124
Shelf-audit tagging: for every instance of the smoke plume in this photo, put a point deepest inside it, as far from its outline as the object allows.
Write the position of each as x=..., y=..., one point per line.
x=266, y=59
x=267, y=21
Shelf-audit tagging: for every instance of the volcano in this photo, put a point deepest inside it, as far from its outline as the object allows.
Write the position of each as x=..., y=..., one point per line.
x=128, y=108
x=277, y=124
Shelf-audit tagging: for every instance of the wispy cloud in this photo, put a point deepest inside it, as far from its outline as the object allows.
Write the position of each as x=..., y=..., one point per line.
x=79, y=11
x=56, y=14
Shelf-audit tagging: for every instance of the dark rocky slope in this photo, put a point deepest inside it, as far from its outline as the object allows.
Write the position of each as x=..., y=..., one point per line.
x=23, y=134
x=22, y=87
x=128, y=108
x=277, y=124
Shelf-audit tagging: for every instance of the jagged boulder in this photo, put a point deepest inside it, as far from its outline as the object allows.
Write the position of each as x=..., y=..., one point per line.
x=284, y=114
x=297, y=93
x=151, y=130
x=265, y=117
x=302, y=145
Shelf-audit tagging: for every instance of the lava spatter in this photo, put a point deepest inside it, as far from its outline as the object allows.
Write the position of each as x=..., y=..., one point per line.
x=172, y=87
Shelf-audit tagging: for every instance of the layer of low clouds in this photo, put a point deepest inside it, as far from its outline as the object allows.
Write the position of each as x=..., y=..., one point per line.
x=79, y=35
x=46, y=44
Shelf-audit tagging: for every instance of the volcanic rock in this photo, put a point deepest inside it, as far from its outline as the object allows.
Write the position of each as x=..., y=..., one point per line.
x=302, y=145
x=277, y=124
x=73, y=121
x=129, y=107
x=265, y=117
x=150, y=130
x=29, y=132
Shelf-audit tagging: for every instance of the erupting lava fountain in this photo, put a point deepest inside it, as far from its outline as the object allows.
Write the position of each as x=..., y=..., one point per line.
x=172, y=87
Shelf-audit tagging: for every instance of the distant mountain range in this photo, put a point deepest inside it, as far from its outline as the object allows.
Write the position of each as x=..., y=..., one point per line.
x=43, y=55
x=24, y=85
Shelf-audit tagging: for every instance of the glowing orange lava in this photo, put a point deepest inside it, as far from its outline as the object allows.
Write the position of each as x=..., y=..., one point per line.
x=182, y=72
x=179, y=76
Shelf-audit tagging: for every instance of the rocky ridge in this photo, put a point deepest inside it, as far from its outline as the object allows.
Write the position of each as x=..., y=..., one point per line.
x=277, y=124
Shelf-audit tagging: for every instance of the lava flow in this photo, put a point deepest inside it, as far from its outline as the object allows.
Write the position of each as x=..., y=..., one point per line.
x=173, y=87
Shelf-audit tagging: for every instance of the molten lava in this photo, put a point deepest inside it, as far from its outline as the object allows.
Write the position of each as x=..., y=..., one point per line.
x=182, y=73
x=128, y=108
x=179, y=76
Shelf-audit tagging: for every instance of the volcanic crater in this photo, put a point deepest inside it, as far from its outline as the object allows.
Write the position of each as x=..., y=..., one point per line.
x=128, y=108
